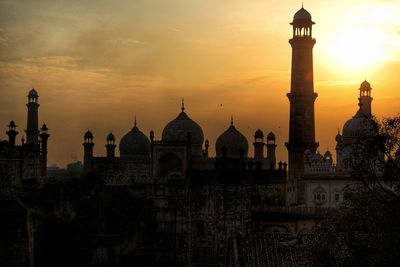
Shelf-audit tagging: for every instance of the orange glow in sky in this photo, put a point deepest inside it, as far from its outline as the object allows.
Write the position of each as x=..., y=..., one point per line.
x=98, y=63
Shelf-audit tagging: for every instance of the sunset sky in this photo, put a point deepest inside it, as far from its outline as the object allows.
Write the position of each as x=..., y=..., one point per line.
x=96, y=64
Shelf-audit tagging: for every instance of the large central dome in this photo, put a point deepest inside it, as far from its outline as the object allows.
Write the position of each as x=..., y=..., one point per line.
x=178, y=129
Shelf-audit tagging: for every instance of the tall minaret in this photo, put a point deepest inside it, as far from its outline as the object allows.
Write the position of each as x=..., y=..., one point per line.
x=32, y=129
x=301, y=97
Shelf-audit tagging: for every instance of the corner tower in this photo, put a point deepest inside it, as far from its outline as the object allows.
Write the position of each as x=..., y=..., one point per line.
x=301, y=98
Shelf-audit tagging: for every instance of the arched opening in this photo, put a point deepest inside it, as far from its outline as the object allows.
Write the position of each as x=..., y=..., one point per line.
x=170, y=163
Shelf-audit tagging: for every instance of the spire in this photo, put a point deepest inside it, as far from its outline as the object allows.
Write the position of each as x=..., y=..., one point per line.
x=232, y=120
x=302, y=5
x=134, y=124
x=183, y=105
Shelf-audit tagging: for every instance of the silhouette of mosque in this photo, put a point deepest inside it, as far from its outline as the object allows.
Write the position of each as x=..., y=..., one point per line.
x=203, y=211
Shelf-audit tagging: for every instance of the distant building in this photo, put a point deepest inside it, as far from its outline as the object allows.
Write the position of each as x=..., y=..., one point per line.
x=326, y=181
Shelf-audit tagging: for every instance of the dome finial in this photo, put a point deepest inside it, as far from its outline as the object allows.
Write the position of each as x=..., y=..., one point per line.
x=183, y=105
x=301, y=4
x=135, y=122
x=231, y=119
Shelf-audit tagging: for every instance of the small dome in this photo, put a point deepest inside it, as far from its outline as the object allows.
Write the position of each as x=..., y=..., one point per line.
x=308, y=152
x=44, y=128
x=88, y=134
x=178, y=129
x=33, y=93
x=317, y=157
x=302, y=15
x=233, y=141
x=134, y=144
x=365, y=86
x=327, y=154
x=110, y=136
x=258, y=134
x=271, y=136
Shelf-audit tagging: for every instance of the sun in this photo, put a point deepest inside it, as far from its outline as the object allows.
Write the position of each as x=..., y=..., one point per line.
x=358, y=47
x=361, y=38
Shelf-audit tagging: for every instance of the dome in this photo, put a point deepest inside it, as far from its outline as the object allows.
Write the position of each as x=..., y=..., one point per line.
x=258, y=134
x=359, y=125
x=88, y=134
x=44, y=128
x=233, y=141
x=317, y=157
x=134, y=143
x=33, y=93
x=327, y=154
x=271, y=136
x=110, y=136
x=308, y=152
x=302, y=15
x=12, y=124
x=365, y=86
x=178, y=129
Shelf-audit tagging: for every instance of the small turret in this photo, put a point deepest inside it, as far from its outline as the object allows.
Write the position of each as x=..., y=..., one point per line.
x=44, y=136
x=12, y=133
x=110, y=146
x=88, y=151
x=271, y=147
x=258, y=145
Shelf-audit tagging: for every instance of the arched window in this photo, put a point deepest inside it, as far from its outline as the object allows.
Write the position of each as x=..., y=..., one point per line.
x=320, y=195
x=170, y=162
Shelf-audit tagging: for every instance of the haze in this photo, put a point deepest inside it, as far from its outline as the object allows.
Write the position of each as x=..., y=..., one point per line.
x=96, y=64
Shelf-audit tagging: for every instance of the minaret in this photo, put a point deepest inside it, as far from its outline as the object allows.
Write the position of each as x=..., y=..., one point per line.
x=301, y=97
x=12, y=133
x=271, y=147
x=365, y=99
x=44, y=136
x=32, y=129
x=258, y=145
x=111, y=146
x=88, y=151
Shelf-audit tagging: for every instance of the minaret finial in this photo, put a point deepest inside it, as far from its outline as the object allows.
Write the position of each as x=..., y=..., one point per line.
x=183, y=104
x=301, y=4
x=231, y=119
x=135, y=122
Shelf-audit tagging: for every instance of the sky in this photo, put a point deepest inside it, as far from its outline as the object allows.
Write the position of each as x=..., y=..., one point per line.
x=96, y=64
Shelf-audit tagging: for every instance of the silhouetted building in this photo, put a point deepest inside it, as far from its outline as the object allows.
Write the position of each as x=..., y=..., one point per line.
x=29, y=159
x=197, y=201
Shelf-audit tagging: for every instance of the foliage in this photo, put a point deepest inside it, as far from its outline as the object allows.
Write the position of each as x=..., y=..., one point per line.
x=365, y=230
